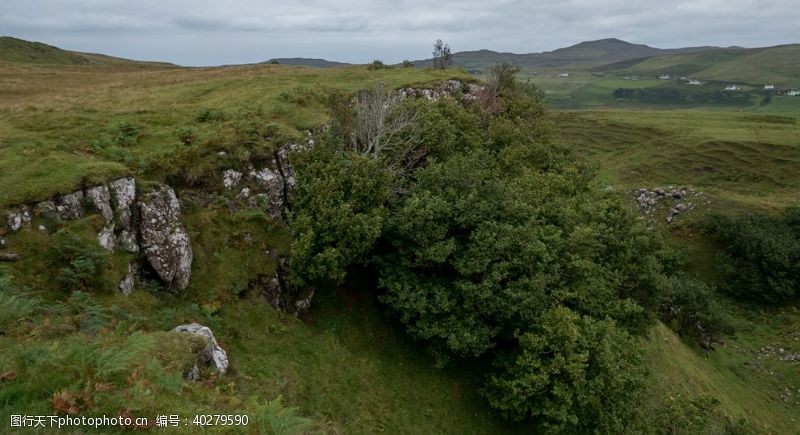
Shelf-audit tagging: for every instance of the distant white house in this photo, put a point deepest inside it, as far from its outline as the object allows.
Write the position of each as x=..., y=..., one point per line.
x=731, y=88
x=664, y=77
x=793, y=93
x=564, y=75
x=694, y=82
x=769, y=86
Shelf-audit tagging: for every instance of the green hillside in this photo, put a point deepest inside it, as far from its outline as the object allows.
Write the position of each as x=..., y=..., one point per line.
x=778, y=65
x=581, y=55
x=15, y=50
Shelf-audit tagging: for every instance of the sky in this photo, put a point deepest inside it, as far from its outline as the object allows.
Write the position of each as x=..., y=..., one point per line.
x=219, y=32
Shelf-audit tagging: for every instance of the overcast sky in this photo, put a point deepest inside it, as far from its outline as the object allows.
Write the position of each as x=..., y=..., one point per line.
x=214, y=32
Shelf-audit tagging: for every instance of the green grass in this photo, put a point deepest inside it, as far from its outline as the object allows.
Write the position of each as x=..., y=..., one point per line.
x=743, y=158
x=59, y=126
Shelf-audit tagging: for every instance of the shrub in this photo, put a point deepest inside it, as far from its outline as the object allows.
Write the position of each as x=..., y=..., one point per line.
x=376, y=65
x=760, y=255
x=187, y=135
x=688, y=306
x=573, y=373
x=340, y=207
x=408, y=64
x=493, y=245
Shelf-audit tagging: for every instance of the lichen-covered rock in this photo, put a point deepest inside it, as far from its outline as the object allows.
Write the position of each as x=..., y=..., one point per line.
x=70, y=206
x=106, y=238
x=281, y=294
x=124, y=190
x=46, y=209
x=273, y=200
x=100, y=198
x=126, y=285
x=212, y=353
x=164, y=240
x=231, y=178
x=285, y=166
x=244, y=194
x=19, y=218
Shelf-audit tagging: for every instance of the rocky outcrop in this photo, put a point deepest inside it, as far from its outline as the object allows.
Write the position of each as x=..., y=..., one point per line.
x=455, y=89
x=100, y=198
x=212, y=353
x=164, y=240
x=676, y=198
x=281, y=294
x=126, y=285
x=70, y=206
x=18, y=218
x=231, y=178
x=274, y=199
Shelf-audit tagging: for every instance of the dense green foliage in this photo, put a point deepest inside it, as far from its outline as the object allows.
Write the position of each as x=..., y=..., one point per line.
x=689, y=307
x=761, y=255
x=491, y=242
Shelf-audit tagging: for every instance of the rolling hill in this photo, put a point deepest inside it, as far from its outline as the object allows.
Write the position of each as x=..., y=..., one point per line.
x=19, y=51
x=586, y=53
x=779, y=65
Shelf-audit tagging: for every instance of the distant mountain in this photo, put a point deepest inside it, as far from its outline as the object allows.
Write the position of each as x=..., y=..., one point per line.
x=779, y=65
x=584, y=54
x=304, y=61
x=20, y=51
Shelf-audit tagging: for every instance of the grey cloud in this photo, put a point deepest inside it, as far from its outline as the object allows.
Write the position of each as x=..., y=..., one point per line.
x=203, y=32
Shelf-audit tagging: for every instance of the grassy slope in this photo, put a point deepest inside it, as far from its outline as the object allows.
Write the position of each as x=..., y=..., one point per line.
x=743, y=161
x=745, y=158
x=19, y=51
x=57, y=126
x=778, y=65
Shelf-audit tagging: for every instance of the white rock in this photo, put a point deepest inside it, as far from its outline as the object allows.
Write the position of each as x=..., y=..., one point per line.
x=126, y=285
x=212, y=353
x=100, y=197
x=272, y=200
x=70, y=206
x=231, y=178
x=107, y=239
x=244, y=194
x=19, y=218
x=164, y=240
x=124, y=190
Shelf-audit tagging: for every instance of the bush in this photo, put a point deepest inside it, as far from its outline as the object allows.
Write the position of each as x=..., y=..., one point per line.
x=408, y=64
x=760, y=255
x=339, y=208
x=491, y=244
x=376, y=65
x=187, y=135
x=573, y=373
x=688, y=306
